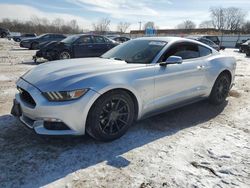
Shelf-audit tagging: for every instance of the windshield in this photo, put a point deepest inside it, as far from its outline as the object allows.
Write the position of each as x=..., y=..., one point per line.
x=40, y=36
x=136, y=51
x=70, y=39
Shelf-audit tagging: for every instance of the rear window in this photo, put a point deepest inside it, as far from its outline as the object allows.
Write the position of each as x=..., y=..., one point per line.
x=213, y=38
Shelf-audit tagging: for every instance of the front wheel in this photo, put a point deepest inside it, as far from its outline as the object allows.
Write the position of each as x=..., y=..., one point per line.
x=3, y=35
x=220, y=89
x=64, y=55
x=248, y=53
x=110, y=116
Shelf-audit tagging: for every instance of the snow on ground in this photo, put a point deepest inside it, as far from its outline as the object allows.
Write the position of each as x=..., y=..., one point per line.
x=199, y=145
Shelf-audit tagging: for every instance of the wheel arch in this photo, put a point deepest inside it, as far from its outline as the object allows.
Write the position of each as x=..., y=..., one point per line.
x=132, y=93
x=226, y=72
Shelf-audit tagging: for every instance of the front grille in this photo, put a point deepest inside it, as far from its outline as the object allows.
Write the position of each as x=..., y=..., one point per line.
x=26, y=97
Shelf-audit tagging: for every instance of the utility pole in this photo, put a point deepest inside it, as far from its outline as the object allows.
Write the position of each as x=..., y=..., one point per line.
x=140, y=25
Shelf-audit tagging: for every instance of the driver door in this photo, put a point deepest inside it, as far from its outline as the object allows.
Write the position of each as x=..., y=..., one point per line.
x=83, y=47
x=177, y=83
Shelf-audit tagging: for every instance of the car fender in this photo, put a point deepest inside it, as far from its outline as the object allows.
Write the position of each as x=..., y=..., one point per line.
x=218, y=64
x=128, y=88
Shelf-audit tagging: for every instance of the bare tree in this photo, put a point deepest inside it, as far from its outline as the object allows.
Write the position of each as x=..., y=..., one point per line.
x=41, y=25
x=102, y=26
x=123, y=26
x=230, y=18
x=218, y=17
x=187, y=24
x=74, y=25
x=150, y=25
x=234, y=18
x=246, y=27
x=206, y=24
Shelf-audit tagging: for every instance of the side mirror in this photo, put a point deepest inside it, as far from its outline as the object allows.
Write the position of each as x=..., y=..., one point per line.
x=172, y=60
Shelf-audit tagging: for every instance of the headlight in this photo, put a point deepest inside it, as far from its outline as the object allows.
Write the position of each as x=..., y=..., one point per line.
x=64, y=95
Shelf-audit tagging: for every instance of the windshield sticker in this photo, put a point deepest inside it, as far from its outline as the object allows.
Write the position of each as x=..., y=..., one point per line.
x=156, y=43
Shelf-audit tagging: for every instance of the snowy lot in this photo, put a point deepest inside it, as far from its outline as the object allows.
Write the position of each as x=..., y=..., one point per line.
x=199, y=145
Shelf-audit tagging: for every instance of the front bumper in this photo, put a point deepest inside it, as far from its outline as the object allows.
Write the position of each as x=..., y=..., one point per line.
x=72, y=113
x=25, y=44
x=45, y=54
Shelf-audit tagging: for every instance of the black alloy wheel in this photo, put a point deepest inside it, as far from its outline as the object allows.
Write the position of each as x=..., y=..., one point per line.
x=114, y=116
x=220, y=89
x=111, y=116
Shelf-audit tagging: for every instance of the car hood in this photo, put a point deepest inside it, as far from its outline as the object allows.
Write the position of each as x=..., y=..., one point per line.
x=69, y=74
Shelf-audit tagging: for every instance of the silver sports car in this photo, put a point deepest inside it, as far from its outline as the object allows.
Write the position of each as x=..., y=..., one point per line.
x=104, y=96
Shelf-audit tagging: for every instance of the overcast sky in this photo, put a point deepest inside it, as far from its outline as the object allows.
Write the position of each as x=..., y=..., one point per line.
x=165, y=13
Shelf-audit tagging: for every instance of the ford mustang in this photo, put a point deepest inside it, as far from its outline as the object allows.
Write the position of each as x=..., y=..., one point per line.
x=103, y=96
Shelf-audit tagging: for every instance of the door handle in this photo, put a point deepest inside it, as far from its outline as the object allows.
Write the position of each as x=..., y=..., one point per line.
x=90, y=46
x=200, y=67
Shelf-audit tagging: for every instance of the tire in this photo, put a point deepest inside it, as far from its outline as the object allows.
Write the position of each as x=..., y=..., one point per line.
x=248, y=53
x=220, y=89
x=64, y=55
x=34, y=46
x=3, y=35
x=110, y=116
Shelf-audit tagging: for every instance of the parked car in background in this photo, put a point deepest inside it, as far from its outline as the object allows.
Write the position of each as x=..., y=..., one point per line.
x=13, y=34
x=76, y=46
x=33, y=43
x=247, y=49
x=215, y=39
x=244, y=46
x=206, y=41
x=121, y=39
x=237, y=45
x=103, y=96
x=24, y=36
x=4, y=32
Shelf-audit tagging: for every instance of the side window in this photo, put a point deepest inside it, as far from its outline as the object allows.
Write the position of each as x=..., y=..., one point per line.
x=60, y=36
x=184, y=50
x=84, y=40
x=204, y=51
x=107, y=40
x=99, y=39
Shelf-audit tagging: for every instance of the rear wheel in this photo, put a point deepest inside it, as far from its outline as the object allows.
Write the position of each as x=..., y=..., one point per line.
x=64, y=55
x=220, y=89
x=110, y=116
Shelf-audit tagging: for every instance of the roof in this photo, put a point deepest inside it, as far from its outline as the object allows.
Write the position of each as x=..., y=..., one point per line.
x=166, y=39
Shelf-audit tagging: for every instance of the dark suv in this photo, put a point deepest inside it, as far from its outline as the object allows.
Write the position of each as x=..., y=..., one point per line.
x=34, y=43
x=4, y=32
